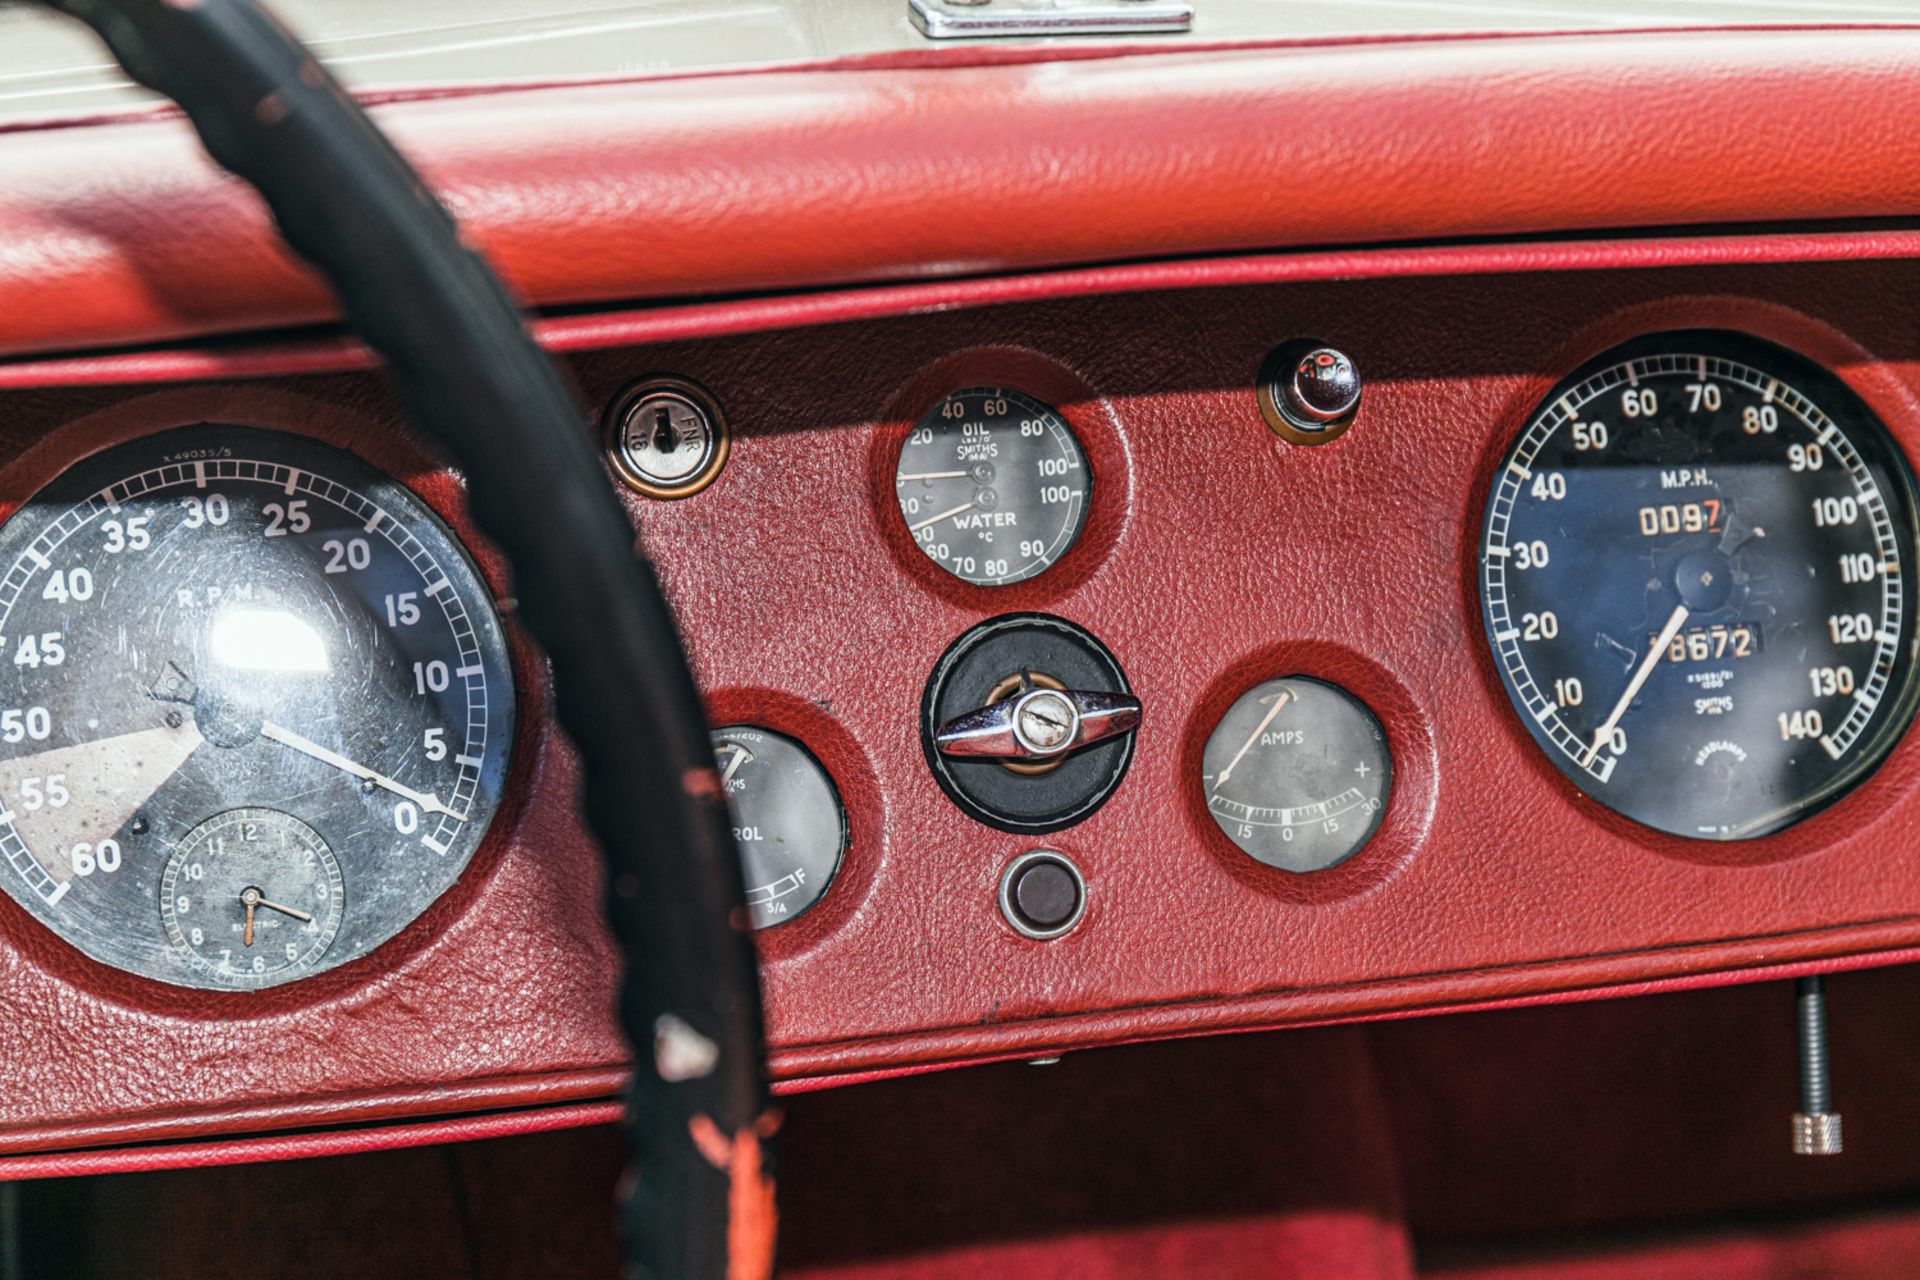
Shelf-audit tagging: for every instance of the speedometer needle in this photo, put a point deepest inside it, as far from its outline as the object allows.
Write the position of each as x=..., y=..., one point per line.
x=1284, y=697
x=288, y=738
x=1675, y=621
x=930, y=475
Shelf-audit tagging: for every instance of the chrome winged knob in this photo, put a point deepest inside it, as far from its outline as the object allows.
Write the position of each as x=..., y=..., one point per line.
x=1038, y=724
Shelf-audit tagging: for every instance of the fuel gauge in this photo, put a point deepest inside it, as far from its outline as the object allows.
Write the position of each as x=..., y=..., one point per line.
x=1296, y=773
x=787, y=820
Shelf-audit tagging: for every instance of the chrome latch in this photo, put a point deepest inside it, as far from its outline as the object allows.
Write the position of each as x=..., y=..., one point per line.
x=979, y=19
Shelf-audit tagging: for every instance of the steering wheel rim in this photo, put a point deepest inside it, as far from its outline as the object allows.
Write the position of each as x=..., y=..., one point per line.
x=699, y=1198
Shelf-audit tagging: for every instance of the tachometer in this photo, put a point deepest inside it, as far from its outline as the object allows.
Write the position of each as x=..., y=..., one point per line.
x=255, y=707
x=993, y=485
x=1696, y=573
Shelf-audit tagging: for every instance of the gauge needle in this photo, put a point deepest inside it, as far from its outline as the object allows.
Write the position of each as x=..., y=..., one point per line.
x=1284, y=697
x=740, y=757
x=246, y=939
x=288, y=738
x=915, y=528
x=931, y=475
x=1675, y=621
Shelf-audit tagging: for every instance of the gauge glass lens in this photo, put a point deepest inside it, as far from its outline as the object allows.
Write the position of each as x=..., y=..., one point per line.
x=1696, y=577
x=243, y=676
x=1297, y=774
x=993, y=486
x=787, y=820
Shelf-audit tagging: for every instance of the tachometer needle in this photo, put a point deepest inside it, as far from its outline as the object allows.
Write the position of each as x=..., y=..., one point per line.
x=1675, y=621
x=1282, y=699
x=915, y=528
x=288, y=738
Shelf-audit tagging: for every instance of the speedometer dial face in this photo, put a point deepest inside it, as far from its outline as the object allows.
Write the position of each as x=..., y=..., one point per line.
x=255, y=707
x=1697, y=579
x=993, y=486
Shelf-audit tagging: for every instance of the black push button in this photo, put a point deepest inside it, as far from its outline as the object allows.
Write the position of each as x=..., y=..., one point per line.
x=1042, y=894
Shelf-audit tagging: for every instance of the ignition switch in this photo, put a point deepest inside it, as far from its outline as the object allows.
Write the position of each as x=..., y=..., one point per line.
x=1028, y=723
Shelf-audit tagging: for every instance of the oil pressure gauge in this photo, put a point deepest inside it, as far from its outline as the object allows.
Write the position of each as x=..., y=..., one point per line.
x=993, y=485
x=787, y=820
x=1296, y=773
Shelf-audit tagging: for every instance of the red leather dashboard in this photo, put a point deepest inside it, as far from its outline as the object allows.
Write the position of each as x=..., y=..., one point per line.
x=1216, y=554
x=975, y=160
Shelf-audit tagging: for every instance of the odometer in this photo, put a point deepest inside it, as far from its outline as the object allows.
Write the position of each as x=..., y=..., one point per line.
x=1696, y=578
x=255, y=707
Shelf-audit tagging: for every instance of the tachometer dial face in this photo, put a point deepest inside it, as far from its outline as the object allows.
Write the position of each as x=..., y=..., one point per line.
x=993, y=486
x=1697, y=579
x=1297, y=774
x=233, y=660
x=787, y=820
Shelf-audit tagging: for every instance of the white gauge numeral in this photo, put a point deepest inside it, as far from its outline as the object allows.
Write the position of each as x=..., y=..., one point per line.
x=353, y=554
x=403, y=610
x=1850, y=628
x=1799, y=724
x=1530, y=555
x=1703, y=395
x=1569, y=692
x=17, y=724
x=85, y=859
x=1857, y=567
x=214, y=509
x=45, y=649
x=431, y=677
x=1828, y=681
x=1759, y=419
x=436, y=744
x=1549, y=486
x=68, y=584
x=406, y=817
x=1805, y=457
x=1539, y=626
x=1589, y=436
x=291, y=518
x=131, y=535
x=1830, y=513
x=49, y=792
x=1639, y=404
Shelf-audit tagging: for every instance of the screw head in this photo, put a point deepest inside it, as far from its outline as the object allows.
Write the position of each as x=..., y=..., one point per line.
x=1044, y=721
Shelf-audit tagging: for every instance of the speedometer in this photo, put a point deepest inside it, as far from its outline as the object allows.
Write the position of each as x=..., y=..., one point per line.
x=1697, y=578
x=255, y=707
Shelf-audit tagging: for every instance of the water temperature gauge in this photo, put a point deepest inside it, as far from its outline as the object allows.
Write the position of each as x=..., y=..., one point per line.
x=1296, y=773
x=787, y=820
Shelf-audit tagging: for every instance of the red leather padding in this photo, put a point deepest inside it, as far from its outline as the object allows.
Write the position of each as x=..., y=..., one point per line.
x=1236, y=557
x=122, y=233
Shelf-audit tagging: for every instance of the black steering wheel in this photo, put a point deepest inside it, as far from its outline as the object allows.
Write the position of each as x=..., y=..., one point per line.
x=699, y=1198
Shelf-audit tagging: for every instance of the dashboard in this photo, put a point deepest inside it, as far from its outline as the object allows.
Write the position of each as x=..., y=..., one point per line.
x=1129, y=662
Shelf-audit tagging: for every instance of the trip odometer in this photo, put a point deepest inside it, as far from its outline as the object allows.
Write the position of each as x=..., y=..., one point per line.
x=255, y=707
x=1696, y=573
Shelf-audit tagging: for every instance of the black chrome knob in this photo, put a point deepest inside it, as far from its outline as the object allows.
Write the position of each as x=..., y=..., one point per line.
x=1309, y=392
